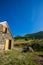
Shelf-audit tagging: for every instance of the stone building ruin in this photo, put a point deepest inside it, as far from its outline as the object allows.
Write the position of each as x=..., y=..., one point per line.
x=6, y=38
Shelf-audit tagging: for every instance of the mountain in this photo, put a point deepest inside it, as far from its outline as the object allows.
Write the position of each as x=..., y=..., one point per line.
x=38, y=35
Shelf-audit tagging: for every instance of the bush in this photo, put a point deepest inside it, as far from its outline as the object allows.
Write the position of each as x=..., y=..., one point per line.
x=36, y=46
x=26, y=39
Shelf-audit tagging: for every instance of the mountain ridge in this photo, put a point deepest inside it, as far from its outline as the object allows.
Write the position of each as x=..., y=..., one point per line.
x=38, y=35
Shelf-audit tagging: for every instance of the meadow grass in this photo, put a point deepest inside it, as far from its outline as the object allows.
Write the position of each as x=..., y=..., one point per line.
x=14, y=57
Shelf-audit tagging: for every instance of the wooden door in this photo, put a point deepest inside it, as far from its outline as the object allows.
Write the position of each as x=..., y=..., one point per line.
x=6, y=44
x=9, y=47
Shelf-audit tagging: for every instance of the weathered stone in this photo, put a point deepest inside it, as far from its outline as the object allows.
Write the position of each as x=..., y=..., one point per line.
x=6, y=38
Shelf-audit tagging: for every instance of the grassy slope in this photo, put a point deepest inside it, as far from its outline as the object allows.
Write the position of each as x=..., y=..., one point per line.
x=17, y=58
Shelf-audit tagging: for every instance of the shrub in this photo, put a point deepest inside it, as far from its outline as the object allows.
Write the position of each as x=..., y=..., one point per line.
x=36, y=46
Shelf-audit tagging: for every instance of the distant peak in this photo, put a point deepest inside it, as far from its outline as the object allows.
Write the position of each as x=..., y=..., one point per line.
x=40, y=32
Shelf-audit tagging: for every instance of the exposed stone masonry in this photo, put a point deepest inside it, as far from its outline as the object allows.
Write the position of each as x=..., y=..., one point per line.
x=4, y=35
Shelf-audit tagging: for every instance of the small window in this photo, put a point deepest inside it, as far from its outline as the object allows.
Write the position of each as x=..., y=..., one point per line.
x=5, y=29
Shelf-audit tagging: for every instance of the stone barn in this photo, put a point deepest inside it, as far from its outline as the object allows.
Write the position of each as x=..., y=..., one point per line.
x=6, y=38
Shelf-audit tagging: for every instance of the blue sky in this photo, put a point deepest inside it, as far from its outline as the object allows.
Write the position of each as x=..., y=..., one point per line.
x=23, y=16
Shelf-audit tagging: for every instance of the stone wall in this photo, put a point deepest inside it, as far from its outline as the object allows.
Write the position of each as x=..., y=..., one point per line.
x=4, y=36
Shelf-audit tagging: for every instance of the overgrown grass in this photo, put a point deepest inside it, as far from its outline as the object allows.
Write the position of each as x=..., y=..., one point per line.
x=36, y=44
x=18, y=58
x=15, y=57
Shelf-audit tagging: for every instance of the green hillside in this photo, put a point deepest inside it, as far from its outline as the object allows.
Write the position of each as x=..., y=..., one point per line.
x=38, y=35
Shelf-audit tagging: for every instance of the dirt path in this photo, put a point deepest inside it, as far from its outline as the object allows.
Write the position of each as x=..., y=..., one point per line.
x=18, y=49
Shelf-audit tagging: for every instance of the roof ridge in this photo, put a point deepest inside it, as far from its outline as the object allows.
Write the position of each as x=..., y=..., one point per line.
x=3, y=22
